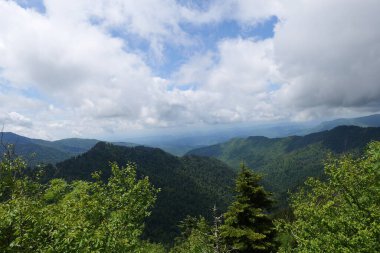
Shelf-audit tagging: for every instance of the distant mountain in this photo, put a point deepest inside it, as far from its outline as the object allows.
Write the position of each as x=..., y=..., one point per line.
x=287, y=162
x=36, y=151
x=181, y=143
x=366, y=121
x=189, y=185
x=73, y=146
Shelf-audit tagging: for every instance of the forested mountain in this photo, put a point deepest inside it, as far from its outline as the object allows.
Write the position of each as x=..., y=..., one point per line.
x=36, y=151
x=56, y=151
x=181, y=143
x=71, y=145
x=365, y=121
x=192, y=184
x=287, y=162
x=189, y=185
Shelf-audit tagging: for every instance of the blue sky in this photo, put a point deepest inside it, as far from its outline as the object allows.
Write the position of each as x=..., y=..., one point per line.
x=38, y=5
x=208, y=36
x=114, y=68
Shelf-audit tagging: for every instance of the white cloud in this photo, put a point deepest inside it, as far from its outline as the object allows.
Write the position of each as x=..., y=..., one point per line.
x=19, y=119
x=328, y=53
x=323, y=60
x=252, y=12
x=88, y=75
x=80, y=68
x=244, y=66
x=156, y=22
x=238, y=81
x=246, y=12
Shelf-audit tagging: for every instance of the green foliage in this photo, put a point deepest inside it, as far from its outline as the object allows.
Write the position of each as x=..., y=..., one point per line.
x=33, y=151
x=247, y=226
x=152, y=248
x=73, y=217
x=13, y=181
x=287, y=162
x=9, y=171
x=189, y=185
x=195, y=237
x=341, y=214
x=198, y=236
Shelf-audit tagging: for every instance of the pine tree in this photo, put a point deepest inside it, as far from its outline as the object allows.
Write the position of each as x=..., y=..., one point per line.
x=247, y=227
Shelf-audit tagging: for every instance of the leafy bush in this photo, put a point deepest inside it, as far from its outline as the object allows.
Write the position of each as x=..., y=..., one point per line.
x=73, y=217
x=341, y=214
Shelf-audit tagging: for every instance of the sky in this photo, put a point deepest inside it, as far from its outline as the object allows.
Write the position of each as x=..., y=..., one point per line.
x=102, y=68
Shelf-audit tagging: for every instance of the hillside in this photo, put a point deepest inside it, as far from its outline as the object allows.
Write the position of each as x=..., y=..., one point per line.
x=365, y=121
x=189, y=185
x=36, y=151
x=73, y=146
x=287, y=162
x=180, y=143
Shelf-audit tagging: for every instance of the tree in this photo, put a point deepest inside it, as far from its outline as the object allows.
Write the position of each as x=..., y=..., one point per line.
x=10, y=175
x=73, y=217
x=195, y=236
x=342, y=213
x=247, y=226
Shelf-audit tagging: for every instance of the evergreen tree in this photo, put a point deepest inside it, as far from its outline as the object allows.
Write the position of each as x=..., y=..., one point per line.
x=195, y=237
x=247, y=227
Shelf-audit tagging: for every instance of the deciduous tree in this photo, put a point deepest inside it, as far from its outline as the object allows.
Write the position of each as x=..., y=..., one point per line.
x=341, y=214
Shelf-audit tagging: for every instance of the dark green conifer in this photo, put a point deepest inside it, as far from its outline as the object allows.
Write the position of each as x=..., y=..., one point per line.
x=248, y=227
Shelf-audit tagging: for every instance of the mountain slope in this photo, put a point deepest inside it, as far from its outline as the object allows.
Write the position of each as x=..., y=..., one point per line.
x=287, y=162
x=74, y=146
x=189, y=185
x=181, y=143
x=366, y=121
x=36, y=151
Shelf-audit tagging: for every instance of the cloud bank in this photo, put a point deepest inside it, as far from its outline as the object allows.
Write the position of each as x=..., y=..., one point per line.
x=84, y=67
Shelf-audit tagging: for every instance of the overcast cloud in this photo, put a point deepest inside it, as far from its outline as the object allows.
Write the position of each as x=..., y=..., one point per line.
x=93, y=67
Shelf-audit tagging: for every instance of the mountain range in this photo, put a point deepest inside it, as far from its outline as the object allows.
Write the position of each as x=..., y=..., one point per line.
x=177, y=144
x=180, y=144
x=192, y=184
x=189, y=185
x=287, y=162
x=37, y=151
x=366, y=121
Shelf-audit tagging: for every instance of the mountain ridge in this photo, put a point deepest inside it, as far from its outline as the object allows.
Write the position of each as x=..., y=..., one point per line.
x=190, y=185
x=287, y=162
x=36, y=151
x=372, y=120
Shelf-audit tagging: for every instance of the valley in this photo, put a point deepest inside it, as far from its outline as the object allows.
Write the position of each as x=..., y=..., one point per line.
x=203, y=177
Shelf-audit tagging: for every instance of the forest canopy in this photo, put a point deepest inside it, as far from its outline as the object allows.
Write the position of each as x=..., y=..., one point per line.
x=73, y=217
x=342, y=213
x=336, y=213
